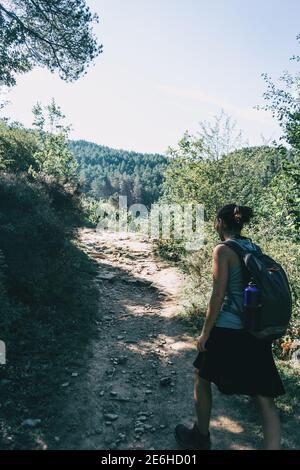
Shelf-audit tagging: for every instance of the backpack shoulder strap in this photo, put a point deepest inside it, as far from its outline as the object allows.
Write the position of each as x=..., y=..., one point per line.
x=235, y=246
x=241, y=252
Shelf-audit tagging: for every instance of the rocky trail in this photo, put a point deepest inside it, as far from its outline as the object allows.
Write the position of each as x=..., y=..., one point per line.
x=132, y=381
x=139, y=381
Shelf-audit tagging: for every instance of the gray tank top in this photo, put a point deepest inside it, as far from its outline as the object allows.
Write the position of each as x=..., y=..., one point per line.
x=233, y=300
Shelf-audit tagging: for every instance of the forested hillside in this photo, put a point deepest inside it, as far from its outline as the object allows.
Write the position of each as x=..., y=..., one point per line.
x=105, y=172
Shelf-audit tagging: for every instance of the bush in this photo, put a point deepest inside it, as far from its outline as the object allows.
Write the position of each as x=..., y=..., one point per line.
x=42, y=272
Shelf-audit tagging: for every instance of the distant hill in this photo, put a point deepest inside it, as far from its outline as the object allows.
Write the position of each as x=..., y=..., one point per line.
x=106, y=172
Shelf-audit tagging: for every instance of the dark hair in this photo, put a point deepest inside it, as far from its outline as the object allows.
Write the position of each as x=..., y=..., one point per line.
x=235, y=216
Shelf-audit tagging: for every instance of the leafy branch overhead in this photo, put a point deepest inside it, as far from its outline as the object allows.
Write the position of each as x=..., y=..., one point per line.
x=56, y=34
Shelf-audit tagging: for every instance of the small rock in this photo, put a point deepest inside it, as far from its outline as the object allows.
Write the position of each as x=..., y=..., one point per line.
x=139, y=424
x=143, y=418
x=106, y=276
x=122, y=399
x=66, y=384
x=139, y=430
x=98, y=255
x=32, y=423
x=56, y=438
x=165, y=381
x=111, y=417
x=75, y=374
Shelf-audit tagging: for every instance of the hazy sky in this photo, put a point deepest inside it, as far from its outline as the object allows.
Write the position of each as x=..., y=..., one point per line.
x=168, y=64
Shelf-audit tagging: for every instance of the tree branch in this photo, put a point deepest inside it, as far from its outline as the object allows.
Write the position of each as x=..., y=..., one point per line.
x=30, y=30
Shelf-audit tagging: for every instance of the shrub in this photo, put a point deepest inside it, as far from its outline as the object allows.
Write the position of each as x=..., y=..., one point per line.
x=42, y=271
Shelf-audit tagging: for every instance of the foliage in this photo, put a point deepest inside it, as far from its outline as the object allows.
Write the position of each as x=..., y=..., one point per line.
x=17, y=148
x=105, y=173
x=215, y=183
x=265, y=178
x=198, y=265
x=279, y=206
x=40, y=266
x=53, y=156
x=55, y=34
x=214, y=140
x=90, y=207
x=40, y=210
x=283, y=101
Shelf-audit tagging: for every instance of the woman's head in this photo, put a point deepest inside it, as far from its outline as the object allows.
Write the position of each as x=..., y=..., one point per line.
x=231, y=218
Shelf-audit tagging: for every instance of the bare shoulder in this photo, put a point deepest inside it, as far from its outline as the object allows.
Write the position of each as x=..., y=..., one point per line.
x=221, y=251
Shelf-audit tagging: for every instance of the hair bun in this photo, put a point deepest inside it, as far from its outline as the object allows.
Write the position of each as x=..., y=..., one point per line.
x=243, y=213
x=237, y=214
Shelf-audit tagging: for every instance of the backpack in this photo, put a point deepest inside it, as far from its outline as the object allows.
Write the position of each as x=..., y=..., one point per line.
x=275, y=309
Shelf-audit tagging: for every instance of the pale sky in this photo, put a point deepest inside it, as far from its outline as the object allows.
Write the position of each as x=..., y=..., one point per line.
x=168, y=64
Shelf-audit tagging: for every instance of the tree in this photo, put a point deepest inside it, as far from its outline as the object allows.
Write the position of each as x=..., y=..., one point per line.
x=284, y=102
x=53, y=155
x=220, y=137
x=137, y=191
x=17, y=147
x=118, y=170
x=214, y=140
x=56, y=34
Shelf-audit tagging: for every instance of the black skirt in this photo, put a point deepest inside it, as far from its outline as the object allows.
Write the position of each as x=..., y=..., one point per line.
x=238, y=363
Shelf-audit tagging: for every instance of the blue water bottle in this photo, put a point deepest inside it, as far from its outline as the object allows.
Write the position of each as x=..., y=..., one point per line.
x=252, y=305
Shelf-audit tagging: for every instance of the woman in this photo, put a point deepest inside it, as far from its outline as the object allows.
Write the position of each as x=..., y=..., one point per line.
x=230, y=357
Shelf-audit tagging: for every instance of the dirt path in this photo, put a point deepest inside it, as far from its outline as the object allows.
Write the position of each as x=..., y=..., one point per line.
x=124, y=378
x=125, y=382
x=139, y=381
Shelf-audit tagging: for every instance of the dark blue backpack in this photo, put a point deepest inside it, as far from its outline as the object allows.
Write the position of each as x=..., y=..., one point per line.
x=274, y=313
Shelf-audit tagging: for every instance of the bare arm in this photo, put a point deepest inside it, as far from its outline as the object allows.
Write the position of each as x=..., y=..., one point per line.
x=220, y=277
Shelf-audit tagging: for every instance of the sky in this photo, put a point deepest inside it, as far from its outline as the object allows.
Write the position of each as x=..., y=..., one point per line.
x=167, y=65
